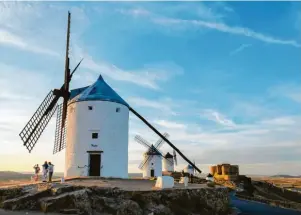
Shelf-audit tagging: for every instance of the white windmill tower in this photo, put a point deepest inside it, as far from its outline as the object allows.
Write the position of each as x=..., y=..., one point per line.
x=97, y=134
x=151, y=164
x=169, y=162
x=190, y=169
x=92, y=124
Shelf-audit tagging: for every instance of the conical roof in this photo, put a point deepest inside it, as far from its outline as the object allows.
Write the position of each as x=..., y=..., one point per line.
x=100, y=91
x=153, y=151
x=168, y=155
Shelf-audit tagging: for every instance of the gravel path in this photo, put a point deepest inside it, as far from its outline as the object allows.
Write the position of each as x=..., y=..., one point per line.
x=130, y=184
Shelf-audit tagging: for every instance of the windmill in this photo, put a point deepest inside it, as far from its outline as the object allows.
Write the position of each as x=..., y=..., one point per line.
x=38, y=122
x=92, y=124
x=151, y=165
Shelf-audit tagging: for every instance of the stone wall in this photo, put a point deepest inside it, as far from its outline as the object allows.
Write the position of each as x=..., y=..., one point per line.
x=97, y=200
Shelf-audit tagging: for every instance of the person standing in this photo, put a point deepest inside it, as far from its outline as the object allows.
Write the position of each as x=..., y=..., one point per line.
x=36, y=172
x=45, y=171
x=50, y=170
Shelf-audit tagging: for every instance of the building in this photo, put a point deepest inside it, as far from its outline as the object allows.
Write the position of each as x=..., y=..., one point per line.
x=189, y=169
x=225, y=172
x=153, y=163
x=168, y=163
x=97, y=132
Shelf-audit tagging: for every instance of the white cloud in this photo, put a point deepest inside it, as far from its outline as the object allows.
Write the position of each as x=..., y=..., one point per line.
x=9, y=39
x=170, y=124
x=217, y=117
x=279, y=121
x=221, y=27
x=154, y=104
x=145, y=77
x=240, y=48
x=289, y=90
x=134, y=12
x=258, y=145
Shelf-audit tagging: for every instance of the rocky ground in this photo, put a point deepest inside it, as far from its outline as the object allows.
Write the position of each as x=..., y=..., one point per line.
x=78, y=198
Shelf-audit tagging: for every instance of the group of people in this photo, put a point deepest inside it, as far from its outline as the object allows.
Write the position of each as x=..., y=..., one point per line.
x=46, y=171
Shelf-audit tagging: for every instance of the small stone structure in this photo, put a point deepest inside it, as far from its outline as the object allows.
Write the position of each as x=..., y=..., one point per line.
x=226, y=172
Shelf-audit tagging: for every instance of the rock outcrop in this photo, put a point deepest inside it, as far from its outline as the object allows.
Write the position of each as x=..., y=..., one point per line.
x=96, y=200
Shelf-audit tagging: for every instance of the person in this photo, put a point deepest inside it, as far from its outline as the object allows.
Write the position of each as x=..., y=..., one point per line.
x=36, y=172
x=45, y=171
x=50, y=170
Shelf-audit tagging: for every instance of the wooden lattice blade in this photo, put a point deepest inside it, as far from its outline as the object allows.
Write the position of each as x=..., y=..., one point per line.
x=38, y=122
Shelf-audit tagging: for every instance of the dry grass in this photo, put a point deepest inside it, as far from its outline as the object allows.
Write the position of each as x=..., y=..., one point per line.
x=281, y=182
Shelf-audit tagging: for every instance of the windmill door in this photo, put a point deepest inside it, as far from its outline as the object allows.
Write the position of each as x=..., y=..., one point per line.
x=94, y=165
x=152, y=173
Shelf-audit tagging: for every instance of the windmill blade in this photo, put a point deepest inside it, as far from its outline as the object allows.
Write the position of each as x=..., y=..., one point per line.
x=76, y=68
x=175, y=157
x=165, y=139
x=36, y=125
x=161, y=141
x=142, y=141
x=145, y=161
x=194, y=171
x=60, y=133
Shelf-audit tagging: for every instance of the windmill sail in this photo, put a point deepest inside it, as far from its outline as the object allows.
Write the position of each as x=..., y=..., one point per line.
x=145, y=161
x=160, y=141
x=164, y=138
x=38, y=122
x=60, y=133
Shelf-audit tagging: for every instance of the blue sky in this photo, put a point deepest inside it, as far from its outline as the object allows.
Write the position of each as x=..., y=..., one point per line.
x=222, y=78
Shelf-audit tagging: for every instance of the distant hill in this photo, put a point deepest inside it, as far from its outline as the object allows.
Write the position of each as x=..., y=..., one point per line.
x=285, y=176
x=17, y=176
x=9, y=175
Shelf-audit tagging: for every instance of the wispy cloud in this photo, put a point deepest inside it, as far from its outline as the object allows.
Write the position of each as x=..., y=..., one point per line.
x=134, y=12
x=240, y=48
x=170, y=124
x=290, y=90
x=148, y=77
x=10, y=39
x=221, y=27
x=217, y=117
x=153, y=104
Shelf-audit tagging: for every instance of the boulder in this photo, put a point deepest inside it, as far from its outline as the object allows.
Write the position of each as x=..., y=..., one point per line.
x=28, y=201
x=71, y=200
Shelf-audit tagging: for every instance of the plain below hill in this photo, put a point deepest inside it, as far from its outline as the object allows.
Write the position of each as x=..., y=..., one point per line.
x=285, y=176
x=10, y=175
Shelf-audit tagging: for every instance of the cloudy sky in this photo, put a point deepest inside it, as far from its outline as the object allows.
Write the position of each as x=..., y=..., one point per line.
x=223, y=79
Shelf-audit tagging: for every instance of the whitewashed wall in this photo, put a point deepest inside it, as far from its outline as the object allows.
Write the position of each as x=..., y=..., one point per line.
x=188, y=170
x=168, y=164
x=112, y=128
x=154, y=163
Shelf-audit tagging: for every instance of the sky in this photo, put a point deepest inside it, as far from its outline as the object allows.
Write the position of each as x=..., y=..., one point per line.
x=222, y=78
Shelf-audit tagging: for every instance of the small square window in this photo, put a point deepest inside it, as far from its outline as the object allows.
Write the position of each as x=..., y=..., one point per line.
x=90, y=107
x=117, y=109
x=94, y=135
x=152, y=163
